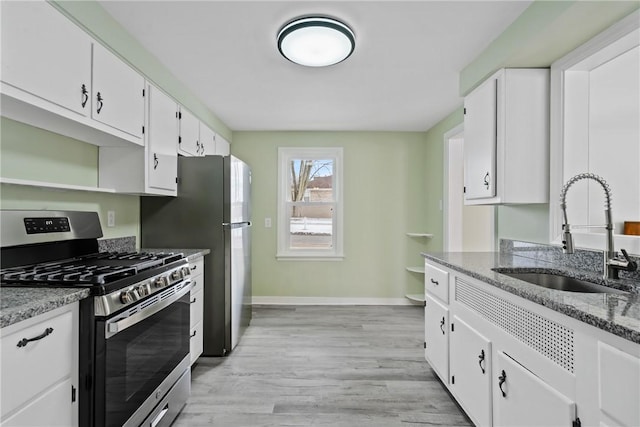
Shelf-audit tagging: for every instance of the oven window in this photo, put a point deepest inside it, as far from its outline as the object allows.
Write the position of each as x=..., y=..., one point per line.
x=140, y=357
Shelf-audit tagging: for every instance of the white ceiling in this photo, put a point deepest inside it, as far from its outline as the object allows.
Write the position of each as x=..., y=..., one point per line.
x=402, y=76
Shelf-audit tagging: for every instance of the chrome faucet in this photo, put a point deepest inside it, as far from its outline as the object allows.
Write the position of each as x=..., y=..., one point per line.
x=612, y=262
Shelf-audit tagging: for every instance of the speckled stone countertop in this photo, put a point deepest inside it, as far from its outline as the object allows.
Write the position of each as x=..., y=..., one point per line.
x=618, y=314
x=17, y=304
x=191, y=254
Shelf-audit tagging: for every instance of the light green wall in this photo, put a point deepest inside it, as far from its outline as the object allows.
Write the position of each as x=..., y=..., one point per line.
x=93, y=17
x=30, y=153
x=384, y=198
x=544, y=32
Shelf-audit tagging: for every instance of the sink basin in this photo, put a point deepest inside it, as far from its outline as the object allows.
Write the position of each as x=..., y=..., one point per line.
x=561, y=283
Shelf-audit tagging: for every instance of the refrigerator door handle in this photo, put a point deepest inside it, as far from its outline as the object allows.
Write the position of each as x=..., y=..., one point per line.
x=229, y=225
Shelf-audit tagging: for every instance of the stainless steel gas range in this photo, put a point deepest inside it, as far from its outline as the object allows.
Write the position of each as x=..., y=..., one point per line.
x=134, y=328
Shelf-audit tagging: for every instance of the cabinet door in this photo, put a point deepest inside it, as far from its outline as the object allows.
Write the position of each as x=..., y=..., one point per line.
x=480, y=139
x=619, y=385
x=522, y=399
x=189, y=140
x=118, y=99
x=196, y=343
x=223, y=147
x=51, y=409
x=161, y=136
x=45, y=54
x=207, y=141
x=436, y=327
x=471, y=371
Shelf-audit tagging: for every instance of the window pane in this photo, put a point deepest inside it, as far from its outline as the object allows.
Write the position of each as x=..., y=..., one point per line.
x=311, y=227
x=310, y=180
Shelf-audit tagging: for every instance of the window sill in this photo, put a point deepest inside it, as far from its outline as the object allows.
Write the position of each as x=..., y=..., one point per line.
x=309, y=257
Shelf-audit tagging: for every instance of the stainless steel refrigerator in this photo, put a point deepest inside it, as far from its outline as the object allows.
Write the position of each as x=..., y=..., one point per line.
x=212, y=211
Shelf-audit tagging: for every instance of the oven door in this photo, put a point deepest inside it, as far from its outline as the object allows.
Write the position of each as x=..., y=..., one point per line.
x=137, y=352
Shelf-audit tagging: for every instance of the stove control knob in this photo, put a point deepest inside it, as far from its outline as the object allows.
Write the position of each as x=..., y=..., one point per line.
x=144, y=290
x=127, y=297
x=176, y=275
x=186, y=271
x=160, y=282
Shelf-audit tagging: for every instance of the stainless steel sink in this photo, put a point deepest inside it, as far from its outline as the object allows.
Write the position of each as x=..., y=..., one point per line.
x=561, y=283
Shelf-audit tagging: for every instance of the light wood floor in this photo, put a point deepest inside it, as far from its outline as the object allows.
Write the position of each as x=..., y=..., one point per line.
x=323, y=366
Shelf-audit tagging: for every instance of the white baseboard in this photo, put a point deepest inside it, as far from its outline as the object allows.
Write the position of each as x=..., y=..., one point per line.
x=265, y=300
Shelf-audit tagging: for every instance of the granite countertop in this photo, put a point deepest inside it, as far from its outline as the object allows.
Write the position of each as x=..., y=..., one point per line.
x=17, y=304
x=190, y=254
x=618, y=314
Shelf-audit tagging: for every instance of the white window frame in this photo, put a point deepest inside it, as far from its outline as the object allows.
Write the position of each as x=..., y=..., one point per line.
x=285, y=156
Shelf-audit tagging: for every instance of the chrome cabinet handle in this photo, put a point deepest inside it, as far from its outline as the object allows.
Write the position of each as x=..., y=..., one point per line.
x=442, y=325
x=435, y=282
x=501, y=380
x=481, y=359
x=486, y=180
x=100, y=103
x=85, y=95
x=24, y=341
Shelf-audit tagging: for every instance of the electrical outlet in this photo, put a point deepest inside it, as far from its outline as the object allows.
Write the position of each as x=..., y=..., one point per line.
x=111, y=218
x=267, y=223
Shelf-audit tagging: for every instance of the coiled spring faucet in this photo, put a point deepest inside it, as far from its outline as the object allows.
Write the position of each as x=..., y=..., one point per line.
x=612, y=263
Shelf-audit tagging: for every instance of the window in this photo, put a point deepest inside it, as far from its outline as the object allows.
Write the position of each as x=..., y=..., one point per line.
x=310, y=203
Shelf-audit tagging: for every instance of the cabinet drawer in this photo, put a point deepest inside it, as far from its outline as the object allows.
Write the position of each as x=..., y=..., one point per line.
x=34, y=366
x=197, y=283
x=197, y=266
x=196, y=344
x=436, y=281
x=196, y=307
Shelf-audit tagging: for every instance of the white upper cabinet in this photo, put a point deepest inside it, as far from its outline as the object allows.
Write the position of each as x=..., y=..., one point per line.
x=118, y=99
x=223, y=148
x=189, y=138
x=207, y=140
x=480, y=132
x=214, y=144
x=49, y=79
x=506, y=138
x=150, y=170
x=46, y=55
x=162, y=158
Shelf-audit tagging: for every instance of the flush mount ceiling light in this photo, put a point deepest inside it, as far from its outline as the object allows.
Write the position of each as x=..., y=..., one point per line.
x=316, y=41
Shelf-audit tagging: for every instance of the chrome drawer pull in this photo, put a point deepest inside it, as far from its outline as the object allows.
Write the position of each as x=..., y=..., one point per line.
x=24, y=341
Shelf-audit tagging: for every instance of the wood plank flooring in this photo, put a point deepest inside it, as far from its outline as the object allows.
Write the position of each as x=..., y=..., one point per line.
x=342, y=366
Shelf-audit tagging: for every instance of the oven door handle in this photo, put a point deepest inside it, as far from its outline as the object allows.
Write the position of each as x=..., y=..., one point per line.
x=114, y=328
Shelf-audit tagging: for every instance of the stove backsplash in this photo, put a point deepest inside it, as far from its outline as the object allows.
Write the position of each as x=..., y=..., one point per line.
x=118, y=244
x=583, y=259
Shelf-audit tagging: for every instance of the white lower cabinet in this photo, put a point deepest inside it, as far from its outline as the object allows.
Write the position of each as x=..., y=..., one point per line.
x=196, y=342
x=436, y=326
x=40, y=370
x=511, y=362
x=471, y=371
x=520, y=398
x=618, y=386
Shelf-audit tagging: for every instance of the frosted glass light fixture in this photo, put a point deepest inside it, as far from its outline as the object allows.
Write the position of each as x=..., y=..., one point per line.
x=316, y=41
